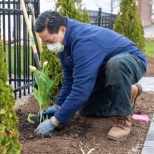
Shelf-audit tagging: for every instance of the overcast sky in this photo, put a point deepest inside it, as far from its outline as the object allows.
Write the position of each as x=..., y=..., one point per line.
x=105, y=5
x=89, y=4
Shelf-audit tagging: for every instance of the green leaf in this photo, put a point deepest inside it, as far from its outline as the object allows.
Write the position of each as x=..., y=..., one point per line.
x=46, y=72
x=51, y=84
x=38, y=78
x=31, y=116
x=36, y=94
x=45, y=98
x=2, y=128
x=43, y=77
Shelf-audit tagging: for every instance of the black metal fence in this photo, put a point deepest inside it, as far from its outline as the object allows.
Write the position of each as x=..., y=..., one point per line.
x=13, y=32
x=102, y=19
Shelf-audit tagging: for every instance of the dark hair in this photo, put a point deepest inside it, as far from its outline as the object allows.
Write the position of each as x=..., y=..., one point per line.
x=51, y=20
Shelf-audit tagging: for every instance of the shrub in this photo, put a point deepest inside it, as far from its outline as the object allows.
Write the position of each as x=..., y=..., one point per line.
x=9, y=143
x=129, y=24
x=73, y=9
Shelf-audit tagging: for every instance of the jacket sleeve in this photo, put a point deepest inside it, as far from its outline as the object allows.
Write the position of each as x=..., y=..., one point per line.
x=67, y=83
x=87, y=56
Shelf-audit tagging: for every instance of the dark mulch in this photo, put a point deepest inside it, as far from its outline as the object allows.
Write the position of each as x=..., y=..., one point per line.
x=82, y=135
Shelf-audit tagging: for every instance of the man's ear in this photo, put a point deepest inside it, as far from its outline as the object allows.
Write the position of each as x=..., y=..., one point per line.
x=63, y=29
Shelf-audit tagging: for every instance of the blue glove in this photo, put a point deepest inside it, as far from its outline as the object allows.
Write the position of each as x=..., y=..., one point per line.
x=45, y=127
x=50, y=112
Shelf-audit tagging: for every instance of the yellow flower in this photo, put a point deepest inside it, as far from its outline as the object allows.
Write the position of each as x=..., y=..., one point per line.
x=45, y=63
x=32, y=68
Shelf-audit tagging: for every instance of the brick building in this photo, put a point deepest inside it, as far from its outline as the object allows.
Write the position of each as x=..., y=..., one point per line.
x=145, y=10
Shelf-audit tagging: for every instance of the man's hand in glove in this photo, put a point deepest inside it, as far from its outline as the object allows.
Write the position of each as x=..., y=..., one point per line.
x=46, y=126
x=51, y=109
x=47, y=114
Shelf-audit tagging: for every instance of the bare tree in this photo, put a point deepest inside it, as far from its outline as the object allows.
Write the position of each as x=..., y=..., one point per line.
x=114, y=4
x=107, y=6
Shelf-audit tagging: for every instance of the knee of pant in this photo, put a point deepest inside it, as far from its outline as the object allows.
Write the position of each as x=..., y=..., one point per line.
x=112, y=66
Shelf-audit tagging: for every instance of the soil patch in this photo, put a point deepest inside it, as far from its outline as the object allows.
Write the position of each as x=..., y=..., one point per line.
x=82, y=135
x=150, y=67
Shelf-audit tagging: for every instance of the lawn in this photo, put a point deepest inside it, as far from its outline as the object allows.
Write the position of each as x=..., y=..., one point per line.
x=22, y=58
x=149, y=48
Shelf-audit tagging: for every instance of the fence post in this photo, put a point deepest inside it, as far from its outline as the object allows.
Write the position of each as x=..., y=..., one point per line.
x=99, y=16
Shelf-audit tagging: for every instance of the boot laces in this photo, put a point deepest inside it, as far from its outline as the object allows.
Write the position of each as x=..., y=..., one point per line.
x=120, y=122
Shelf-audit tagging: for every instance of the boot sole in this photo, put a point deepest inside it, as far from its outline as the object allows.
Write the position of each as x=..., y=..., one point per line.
x=138, y=94
x=116, y=139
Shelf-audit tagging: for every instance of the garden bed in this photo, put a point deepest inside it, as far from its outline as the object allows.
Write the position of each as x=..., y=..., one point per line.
x=82, y=135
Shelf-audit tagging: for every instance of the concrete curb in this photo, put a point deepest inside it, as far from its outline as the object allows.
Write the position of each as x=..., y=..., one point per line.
x=148, y=147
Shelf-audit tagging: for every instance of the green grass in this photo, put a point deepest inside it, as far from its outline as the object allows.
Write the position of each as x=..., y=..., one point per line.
x=149, y=48
x=20, y=63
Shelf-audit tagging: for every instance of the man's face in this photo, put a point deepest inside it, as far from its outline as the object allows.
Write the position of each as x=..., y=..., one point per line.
x=52, y=38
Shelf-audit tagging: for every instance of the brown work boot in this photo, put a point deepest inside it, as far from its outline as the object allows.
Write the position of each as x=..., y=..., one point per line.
x=121, y=128
x=136, y=91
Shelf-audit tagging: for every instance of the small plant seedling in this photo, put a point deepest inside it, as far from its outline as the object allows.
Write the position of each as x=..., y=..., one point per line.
x=45, y=85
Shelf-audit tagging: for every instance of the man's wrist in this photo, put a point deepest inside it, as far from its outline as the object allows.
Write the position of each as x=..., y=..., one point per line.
x=54, y=120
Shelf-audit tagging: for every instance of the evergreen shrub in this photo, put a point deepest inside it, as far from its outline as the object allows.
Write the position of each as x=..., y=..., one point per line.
x=129, y=24
x=9, y=143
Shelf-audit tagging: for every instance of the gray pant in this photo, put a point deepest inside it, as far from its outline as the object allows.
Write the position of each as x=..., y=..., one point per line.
x=112, y=91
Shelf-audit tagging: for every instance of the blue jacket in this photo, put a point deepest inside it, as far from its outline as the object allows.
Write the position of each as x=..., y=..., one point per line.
x=87, y=47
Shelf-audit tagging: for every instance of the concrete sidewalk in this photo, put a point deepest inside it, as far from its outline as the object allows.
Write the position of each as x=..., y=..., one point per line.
x=149, y=32
x=148, y=147
x=147, y=84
